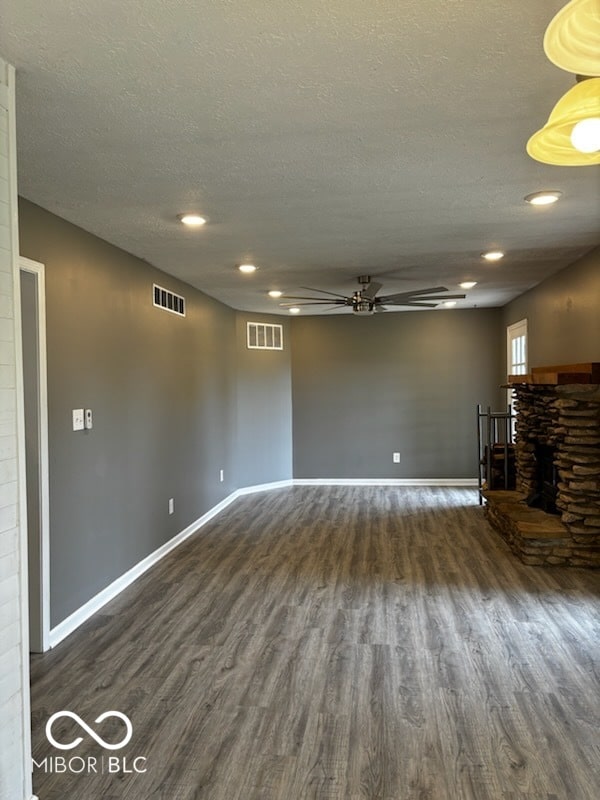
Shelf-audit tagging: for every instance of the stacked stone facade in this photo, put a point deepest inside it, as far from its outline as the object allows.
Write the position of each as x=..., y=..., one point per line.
x=578, y=462
x=536, y=423
x=568, y=418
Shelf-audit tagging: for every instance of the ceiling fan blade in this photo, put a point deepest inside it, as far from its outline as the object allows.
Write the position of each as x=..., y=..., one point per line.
x=323, y=291
x=371, y=290
x=402, y=295
x=314, y=303
x=431, y=290
x=302, y=297
x=412, y=303
x=440, y=297
x=391, y=298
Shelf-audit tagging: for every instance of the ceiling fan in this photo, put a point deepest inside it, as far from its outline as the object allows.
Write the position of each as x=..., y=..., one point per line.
x=366, y=301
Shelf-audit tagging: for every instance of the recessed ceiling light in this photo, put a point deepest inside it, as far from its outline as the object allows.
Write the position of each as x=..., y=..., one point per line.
x=545, y=198
x=467, y=284
x=247, y=268
x=493, y=255
x=275, y=293
x=193, y=220
x=294, y=310
x=449, y=303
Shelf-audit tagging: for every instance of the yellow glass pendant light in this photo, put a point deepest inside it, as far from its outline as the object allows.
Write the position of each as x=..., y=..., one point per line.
x=553, y=144
x=572, y=39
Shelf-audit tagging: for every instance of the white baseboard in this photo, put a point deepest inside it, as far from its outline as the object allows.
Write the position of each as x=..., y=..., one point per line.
x=385, y=482
x=262, y=487
x=77, y=618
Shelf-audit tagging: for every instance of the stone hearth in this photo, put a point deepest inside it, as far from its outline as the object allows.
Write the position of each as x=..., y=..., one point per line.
x=566, y=417
x=536, y=537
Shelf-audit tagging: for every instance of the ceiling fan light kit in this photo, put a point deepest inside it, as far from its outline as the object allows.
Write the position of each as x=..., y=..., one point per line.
x=572, y=39
x=586, y=135
x=571, y=136
x=553, y=143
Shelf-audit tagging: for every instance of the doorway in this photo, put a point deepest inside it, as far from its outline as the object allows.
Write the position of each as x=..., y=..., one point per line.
x=33, y=330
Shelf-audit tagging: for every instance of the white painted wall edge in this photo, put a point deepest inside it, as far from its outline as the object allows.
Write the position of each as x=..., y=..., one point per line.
x=77, y=618
x=39, y=270
x=9, y=103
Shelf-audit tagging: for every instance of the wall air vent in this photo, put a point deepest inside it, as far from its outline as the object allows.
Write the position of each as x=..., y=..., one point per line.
x=170, y=301
x=264, y=336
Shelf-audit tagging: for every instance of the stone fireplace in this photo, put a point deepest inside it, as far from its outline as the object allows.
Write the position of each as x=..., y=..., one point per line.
x=557, y=456
x=545, y=479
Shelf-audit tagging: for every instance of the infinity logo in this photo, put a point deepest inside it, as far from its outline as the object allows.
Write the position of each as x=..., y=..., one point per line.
x=88, y=730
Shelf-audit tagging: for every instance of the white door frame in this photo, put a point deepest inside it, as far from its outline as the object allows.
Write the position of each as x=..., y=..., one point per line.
x=40, y=639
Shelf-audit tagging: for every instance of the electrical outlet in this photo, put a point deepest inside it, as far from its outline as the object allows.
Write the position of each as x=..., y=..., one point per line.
x=221, y=475
x=396, y=458
x=88, y=419
x=78, y=419
x=171, y=505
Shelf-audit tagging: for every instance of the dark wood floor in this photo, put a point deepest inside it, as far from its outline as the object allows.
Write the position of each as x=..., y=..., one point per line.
x=338, y=644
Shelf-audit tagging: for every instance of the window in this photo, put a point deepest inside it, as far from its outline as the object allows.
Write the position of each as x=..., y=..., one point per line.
x=516, y=356
x=264, y=336
x=517, y=348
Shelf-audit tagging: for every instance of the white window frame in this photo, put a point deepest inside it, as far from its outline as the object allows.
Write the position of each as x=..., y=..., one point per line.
x=517, y=363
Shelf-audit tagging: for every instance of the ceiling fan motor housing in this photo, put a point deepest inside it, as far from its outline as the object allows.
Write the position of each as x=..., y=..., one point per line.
x=361, y=305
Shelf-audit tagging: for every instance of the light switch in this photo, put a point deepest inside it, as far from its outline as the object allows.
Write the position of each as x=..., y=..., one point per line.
x=78, y=419
x=88, y=419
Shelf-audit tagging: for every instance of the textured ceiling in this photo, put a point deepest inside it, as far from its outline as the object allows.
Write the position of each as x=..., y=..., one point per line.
x=321, y=140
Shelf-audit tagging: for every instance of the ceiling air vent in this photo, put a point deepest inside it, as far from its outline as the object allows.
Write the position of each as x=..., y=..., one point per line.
x=170, y=301
x=263, y=336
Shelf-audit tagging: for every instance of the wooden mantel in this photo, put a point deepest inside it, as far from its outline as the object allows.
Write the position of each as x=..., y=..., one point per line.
x=588, y=372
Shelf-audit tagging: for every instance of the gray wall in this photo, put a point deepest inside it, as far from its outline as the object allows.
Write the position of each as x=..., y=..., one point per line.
x=264, y=407
x=163, y=391
x=563, y=314
x=410, y=381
